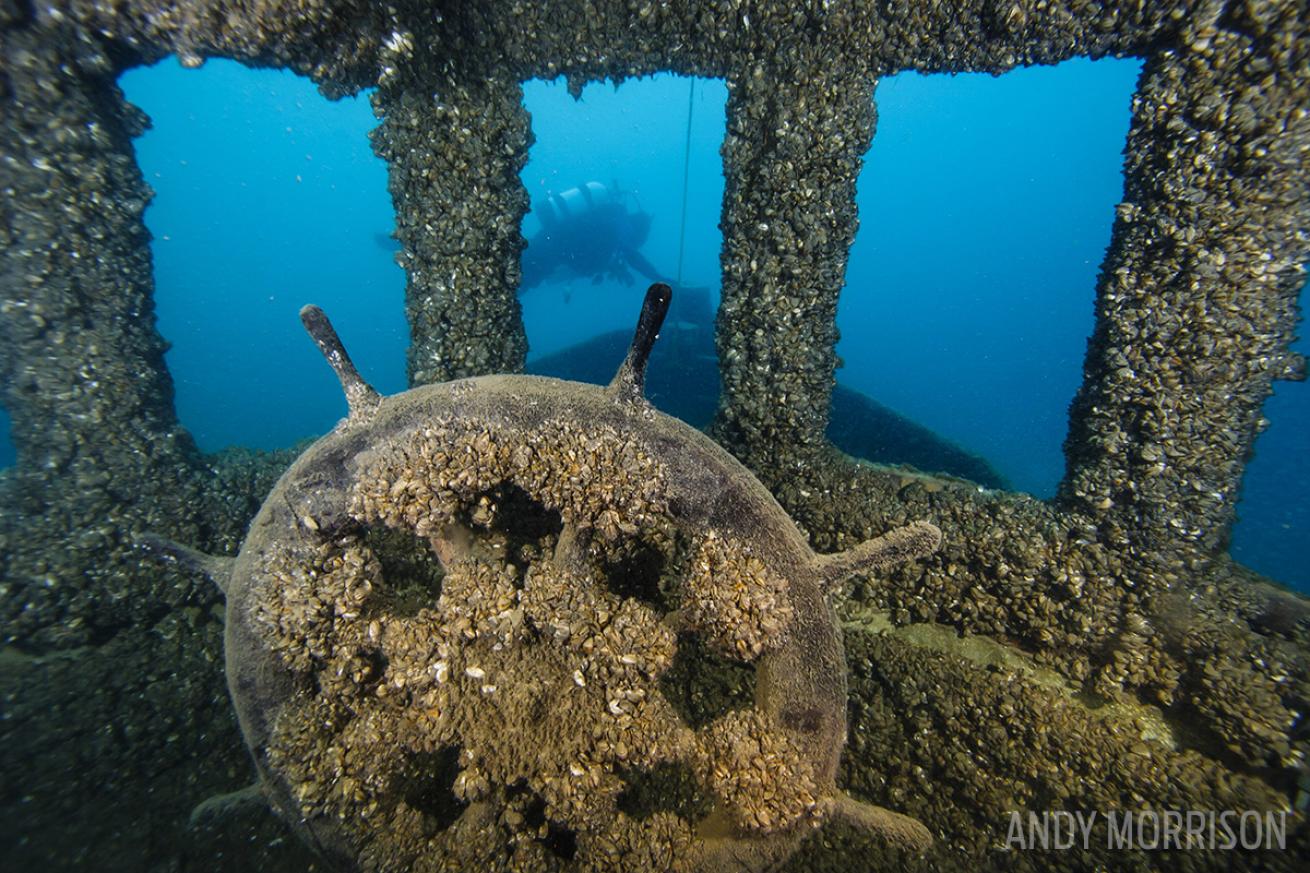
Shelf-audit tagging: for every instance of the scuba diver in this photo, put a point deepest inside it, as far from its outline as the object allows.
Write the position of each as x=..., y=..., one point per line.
x=589, y=231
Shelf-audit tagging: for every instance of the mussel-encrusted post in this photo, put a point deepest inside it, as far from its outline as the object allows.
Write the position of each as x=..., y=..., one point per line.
x=791, y=156
x=454, y=158
x=82, y=367
x=1196, y=303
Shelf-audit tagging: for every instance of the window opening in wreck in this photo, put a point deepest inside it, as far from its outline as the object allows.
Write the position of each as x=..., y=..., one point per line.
x=986, y=205
x=268, y=197
x=1274, y=511
x=622, y=153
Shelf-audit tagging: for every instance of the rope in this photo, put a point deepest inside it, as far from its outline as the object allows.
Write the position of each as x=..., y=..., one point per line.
x=686, y=173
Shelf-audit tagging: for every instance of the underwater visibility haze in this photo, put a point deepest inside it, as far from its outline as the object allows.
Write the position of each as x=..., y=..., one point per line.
x=985, y=204
x=859, y=455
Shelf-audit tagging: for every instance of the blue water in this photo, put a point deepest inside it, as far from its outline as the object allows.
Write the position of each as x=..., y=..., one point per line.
x=268, y=198
x=985, y=205
x=1274, y=513
x=635, y=136
x=985, y=209
x=7, y=456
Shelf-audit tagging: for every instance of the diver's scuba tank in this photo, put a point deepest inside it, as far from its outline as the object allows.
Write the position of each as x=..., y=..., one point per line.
x=576, y=202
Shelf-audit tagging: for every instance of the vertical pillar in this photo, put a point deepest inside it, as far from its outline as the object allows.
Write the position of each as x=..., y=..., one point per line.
x=100, y=452
x=1196, y=303
x=793, y=151
x=455, y=152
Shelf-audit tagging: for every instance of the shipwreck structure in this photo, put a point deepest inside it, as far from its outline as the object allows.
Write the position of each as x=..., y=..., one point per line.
x=1100, y=651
